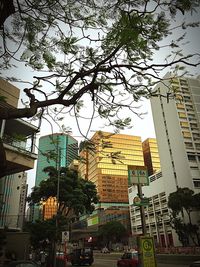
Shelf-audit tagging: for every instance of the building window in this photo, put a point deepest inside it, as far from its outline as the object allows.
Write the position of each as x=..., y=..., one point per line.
x=186, y=134
x=182, y=115
x=191, y=157
x=196, y=183
x=188, y=145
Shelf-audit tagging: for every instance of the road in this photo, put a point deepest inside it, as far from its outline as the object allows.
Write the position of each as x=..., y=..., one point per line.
x=106, y=260
x=113, y=263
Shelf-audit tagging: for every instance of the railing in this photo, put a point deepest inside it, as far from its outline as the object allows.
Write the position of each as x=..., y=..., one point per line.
x=19, y=144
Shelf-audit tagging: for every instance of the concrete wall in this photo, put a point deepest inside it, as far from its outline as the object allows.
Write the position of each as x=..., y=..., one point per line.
x=10, y=92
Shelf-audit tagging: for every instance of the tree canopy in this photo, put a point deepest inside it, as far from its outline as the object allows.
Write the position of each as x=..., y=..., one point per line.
x=113, y=231
x=43, y=232
x=98, y=50
x=75, y=194
x=182, y=201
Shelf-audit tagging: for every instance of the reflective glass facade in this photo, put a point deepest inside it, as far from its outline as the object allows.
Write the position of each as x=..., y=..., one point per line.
x=107, y=166
x=49, y=207
x=151, y=156
x=68, y=147
x=52, y=143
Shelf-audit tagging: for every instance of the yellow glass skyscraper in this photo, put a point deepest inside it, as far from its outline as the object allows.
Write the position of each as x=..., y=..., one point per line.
x=107, y=166
x=151, y=156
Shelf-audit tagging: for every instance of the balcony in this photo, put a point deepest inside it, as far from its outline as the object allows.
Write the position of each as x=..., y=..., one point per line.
x=18, y=140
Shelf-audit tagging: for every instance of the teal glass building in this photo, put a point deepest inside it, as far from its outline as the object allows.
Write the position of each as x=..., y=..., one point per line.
x=53, y=144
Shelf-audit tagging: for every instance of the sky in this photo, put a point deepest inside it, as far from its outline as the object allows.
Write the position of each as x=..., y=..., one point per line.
x=143, y=127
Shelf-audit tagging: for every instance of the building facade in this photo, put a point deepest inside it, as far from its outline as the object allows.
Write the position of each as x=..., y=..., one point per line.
x=107, y=166
x=17, y=137
x=151, y=155
x=14, y=192
x=17, y=155
x=157, y=218
x=177, y=127
x=57, y=150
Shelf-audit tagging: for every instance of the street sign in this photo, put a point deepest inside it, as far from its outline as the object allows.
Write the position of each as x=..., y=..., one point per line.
x=138, y=175
x=136, y=201
x=147, y=250
x=65, y=236
x=143, y=201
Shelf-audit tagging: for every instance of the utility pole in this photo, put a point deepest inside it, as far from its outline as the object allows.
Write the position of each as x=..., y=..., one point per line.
x=86, y=172
x=57, y=199
x=142, y=213
x=137, y=175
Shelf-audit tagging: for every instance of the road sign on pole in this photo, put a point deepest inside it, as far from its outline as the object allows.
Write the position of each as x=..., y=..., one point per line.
x=138, y=175
x=136, y=201
x=65, y=236
x=147, y=251
x=140, y=201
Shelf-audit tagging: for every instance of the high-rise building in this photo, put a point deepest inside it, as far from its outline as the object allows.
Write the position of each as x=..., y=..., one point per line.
x=14, y=191
x=106, y=163
x=151, y=156
x=57, y=150
x=107, y=166
x=17, y=137
x=177, y=127
x=17, y=154
x=50, y=145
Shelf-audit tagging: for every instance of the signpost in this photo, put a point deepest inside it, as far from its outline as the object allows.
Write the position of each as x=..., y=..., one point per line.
x=65, y=239
x=143, y=201
x=138, y=175
x=65, y=236
x=147, y=249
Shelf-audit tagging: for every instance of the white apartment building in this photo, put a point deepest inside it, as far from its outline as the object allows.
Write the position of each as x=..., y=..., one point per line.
x=157, y=218
x=177, y=127
x=14, y=192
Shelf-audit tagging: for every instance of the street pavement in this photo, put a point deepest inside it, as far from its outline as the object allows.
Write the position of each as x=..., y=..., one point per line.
x=106, y=262
x=163, y=260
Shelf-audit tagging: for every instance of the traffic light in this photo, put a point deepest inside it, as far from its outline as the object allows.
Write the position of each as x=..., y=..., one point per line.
x=2, y=241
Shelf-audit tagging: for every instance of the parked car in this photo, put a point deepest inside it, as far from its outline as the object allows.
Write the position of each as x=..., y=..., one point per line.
x=195, y=264
x=105, y=250
x=81, y=256
x=22, y=263
x=129, y=259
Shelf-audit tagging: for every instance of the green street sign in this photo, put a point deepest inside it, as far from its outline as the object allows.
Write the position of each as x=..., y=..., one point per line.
x=137, y=175
x=140, y=201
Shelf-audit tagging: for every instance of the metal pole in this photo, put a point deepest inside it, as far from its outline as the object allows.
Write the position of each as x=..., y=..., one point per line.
x=65, y=253
x=86, y=173
x=57, y=202
x=142, y=213
x=58, y=182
